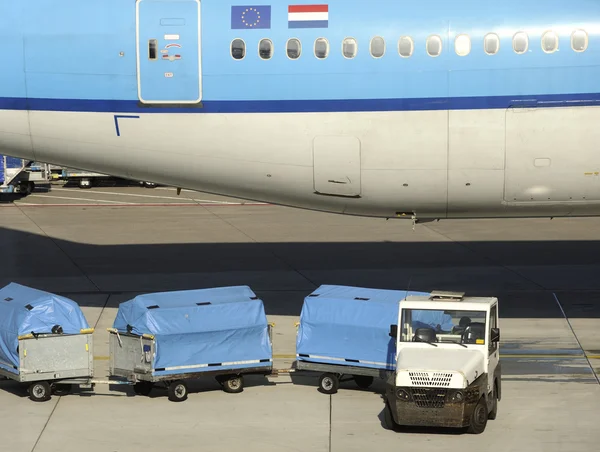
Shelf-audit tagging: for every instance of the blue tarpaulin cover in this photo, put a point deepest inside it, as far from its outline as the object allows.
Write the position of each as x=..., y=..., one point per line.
x=225, y=327
x=24, y=310
x=350, y=325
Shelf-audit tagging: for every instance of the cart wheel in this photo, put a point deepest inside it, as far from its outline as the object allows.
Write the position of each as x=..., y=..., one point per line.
x=178, y=391
x=143, y=388
x=329, y=383
x=61, y=389
x=363, y=381
x=234, y=384
x=40, y=391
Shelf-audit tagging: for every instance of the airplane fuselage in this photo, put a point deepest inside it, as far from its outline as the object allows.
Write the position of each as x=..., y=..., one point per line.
x=440, y=109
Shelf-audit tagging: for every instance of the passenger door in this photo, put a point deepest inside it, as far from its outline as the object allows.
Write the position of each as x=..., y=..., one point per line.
x=168, y=51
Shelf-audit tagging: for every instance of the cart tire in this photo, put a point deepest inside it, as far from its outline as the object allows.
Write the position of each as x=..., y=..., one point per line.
x=479, y=417
x=178, y=391
x=61, y=389
x=234, y=384
x=40, y=391
x=143, y=388
x=363, y=381
x=329, y=383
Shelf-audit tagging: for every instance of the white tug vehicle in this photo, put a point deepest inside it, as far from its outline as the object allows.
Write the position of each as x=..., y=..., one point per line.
x=447, y=374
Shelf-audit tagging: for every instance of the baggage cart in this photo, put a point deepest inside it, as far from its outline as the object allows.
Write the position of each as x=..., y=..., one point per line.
x=171, y=337
x=344, y=332
x=44, y=341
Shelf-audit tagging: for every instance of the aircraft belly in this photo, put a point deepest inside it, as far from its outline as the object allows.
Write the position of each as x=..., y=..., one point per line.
x=14, y=134
x=270, y=157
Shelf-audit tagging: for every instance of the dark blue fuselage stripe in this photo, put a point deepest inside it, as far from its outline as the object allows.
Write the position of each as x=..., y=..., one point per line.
x=305, y=106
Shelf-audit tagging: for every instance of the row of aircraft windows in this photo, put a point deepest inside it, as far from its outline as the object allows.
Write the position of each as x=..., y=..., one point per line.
x=406, y=45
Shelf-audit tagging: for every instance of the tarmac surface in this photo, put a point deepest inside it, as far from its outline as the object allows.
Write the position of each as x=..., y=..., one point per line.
x=105, y=245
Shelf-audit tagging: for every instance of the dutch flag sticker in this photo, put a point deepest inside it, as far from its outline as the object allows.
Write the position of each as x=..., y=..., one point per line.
x=308, y=16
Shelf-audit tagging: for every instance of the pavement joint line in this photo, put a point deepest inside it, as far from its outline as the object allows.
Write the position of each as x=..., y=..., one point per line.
x=576, y=338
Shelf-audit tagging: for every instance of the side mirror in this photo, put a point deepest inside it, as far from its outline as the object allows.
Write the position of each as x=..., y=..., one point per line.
x=393, y=331
x=495, y=335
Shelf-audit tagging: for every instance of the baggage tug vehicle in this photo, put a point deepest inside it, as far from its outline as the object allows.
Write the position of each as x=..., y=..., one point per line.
x=448, y=372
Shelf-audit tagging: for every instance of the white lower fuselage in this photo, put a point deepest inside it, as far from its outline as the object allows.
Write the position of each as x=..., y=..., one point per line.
x=435, y=164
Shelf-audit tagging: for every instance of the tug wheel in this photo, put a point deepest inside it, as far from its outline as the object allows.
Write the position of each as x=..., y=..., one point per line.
x=329, y=383
x=494, y=411
x=479, y=417
x=388, y=419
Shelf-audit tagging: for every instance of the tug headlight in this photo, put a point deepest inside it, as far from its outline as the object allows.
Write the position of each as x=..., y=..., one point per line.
x=458, y=397
x=402, y=394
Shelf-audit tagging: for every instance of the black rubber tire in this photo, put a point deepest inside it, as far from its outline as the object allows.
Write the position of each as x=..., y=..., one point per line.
x=234, y=384
x=363, y=381
x=479, y=417
x=40, y=391
x=494, y=412
x=61, y=389
x=329, y=383
x=143, y=388
x=388, y=418
x=178, y=391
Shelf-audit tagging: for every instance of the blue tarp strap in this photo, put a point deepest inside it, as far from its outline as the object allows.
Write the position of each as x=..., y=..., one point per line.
x=347, y=360
x=200, y=366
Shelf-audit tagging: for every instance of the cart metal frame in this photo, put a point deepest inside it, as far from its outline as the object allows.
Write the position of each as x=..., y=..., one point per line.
x=332, y=374
x=126, y=348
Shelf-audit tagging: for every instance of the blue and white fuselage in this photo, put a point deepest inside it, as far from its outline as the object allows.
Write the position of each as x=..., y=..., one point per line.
x=438, y=109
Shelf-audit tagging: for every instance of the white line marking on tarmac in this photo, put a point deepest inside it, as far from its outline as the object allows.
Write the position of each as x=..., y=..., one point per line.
x=190, y=200
x=79, y=199
x=128, y=194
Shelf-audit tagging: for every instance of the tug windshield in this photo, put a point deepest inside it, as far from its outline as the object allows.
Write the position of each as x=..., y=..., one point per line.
x=439, y=326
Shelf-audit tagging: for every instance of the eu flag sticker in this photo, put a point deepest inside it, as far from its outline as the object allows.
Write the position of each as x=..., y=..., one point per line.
x=250, y=17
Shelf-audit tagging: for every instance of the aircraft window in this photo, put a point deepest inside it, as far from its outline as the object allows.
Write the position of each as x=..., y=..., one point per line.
x=377, y=47
x=265, y=49
x=406, y=46
x=434, y=46
x=294, y=49
x=349, y=48
x=550, y=42
x=579, y=41
x=520, y=42
x=152, y=44
x=238, y=49
x=321, y=48
x=462, y=45
x=491, y=43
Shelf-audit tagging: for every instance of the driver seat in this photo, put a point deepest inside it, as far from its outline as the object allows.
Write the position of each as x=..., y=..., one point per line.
x=473, y=331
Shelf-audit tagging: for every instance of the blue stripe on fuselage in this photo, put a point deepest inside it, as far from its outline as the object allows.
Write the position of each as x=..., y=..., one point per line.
x=308, y=106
